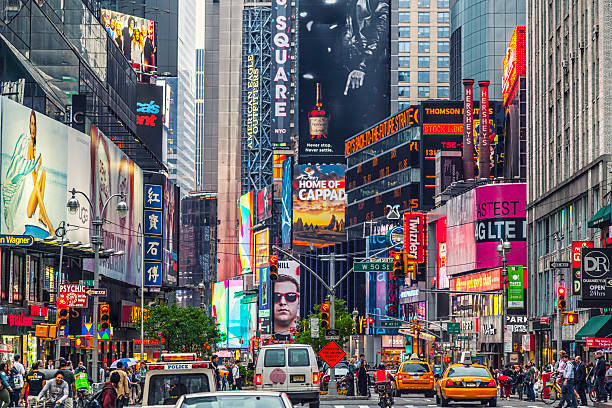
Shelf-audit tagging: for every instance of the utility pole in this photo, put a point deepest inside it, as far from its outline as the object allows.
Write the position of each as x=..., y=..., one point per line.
x=503, y=247
x=558, y=236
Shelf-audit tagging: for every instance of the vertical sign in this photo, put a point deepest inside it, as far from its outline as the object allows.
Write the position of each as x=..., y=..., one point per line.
x=484, y=151
x=150, y=116
x=281, y=61
x=153, y=234
x=265, y=301
x=414, y=236
x=468, y=125
x=516, y=296
x=253, y=104
x=286, y=203
x=576, y=250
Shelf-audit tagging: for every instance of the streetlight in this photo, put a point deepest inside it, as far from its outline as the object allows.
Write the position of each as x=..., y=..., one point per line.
x=201, y=288
x=504, y=247
x=96, y=240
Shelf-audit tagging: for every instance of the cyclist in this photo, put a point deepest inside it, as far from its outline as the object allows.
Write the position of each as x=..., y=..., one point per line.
x=383, y=378
x=57, y=390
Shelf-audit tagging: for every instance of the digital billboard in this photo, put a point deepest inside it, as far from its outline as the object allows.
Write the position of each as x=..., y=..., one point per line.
x=265, y=301
x=264, y=204
x=135, y=36
x=219, y=306
x=262, y=250
x=150, y=116
x=286, y=298
x=245, y=243
x=318, y=205
x=172, y=202
x=280, y=128
x=286, y=203
x=344, y=73
x=515, y=62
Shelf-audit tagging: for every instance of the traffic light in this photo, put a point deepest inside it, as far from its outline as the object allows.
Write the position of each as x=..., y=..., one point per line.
x=104, y=316
x=325, y=315
x=62, y=315
x=398, y=265
x=370, y=322
x=411, y=270
x=412, y=329
x=569, y=318
x=561, y=302
x=273, y=263
x=356, y=324
x=364, y=325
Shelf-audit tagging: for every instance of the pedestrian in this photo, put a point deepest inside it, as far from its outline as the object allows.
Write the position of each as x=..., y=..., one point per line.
x=351, y=376
x=215, y=365
x=609, y=381
x=35, y=382
x=102, y=373
x=505, y=382
x=237, y=376
x=57, y=390
x=19, y=379
x=362, y=376
x=108, y=398
x=229, y=377
x=581, y=380
x=568, y=383
x=599, y=372
x=50, y=364
x=5, y=386
x=530, y=379
x=122, y=387
x=68, y=377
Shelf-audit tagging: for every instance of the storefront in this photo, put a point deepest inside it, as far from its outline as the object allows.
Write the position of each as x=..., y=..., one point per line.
x=392, y=350
x=17, y=329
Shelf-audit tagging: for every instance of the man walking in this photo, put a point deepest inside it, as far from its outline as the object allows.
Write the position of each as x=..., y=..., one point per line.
x=123, y=387
x=599, y=372
x=581, y=375
x=568, y=383
x=236, y=376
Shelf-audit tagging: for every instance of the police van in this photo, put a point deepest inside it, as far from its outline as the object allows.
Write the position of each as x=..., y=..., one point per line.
x=176, y=374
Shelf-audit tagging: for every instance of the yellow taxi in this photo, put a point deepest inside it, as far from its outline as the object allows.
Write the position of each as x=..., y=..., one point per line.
x=466, y=381
x=414, y=376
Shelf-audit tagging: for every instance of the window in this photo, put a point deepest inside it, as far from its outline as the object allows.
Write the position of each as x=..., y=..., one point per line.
x=443, y=17
x=404, y=91
x=424, y=32
x=443, y=76
x=443, y=31
x=443, y=3
x=404, y=3
x=404, y=17
x=443, y=91
x=423, y=3
x=403, y=61
x=404, y=46
x=468, y=371
x=235, y=400
x=403, y=105
x=443, y=46
x=443, y=62
x=423, y=92
x=424, y=16
x=274, y=358
x=415, y=368
x=423, y=76
x=403, y=76
x=423, y=62
x=423, y=46
x=161, y=393
x=404, y=32
x=299, y=357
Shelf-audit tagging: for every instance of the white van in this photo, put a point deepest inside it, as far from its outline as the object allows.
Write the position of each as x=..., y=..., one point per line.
x=289, y=368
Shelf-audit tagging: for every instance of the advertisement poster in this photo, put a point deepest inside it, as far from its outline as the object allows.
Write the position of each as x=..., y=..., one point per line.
x=414, y=236
x=286, y=203
x=219, y=306
x=135, y=37
x=150, y=116
x=381, y=289
x=516, y=296
x=595, y=276
x=576, y=254
x=280, y=128
x=262, y=250
x=245, y=243
x=286, y=311
x=172, y=201
x=345, y=49
x=264, y=204
x=442, y=281
x=265, y=301
x=319, y=202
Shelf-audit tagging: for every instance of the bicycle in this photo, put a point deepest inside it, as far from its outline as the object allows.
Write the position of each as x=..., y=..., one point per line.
x=43, y=403
x=551, y=391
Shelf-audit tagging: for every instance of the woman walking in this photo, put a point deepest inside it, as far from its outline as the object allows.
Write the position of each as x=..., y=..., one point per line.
x=5, y=388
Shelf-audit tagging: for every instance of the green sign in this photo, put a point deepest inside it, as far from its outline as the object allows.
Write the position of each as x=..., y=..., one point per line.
x=453, y=328
x=390, y=323
x=249, y=298
x=87, y=282
x=516, y=296
x=372, y=266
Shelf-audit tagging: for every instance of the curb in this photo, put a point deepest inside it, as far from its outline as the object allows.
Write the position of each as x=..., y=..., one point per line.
x=341, y=398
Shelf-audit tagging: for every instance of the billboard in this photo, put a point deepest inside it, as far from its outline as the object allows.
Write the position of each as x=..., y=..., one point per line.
x=264, y=204
x=219, y=307
x=42, y=159
x=515, y=63
x=595, y=277
x=150, y=116
x=576, y=257
x=344, y=73
x=265, y=301
x=442, y=280
x=262, y=250
x=153, y=252
x=415, y=236
x=478, y=282
x=286, y=298
x=460, y=231
x=280, y=128
x=172, y=202
x=136, y=37
x=253, y=102
x=286, y=203
x=516, y=295
x=245, y=242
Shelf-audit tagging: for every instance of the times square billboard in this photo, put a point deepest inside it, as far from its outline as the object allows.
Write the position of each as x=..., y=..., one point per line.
x=344, y=73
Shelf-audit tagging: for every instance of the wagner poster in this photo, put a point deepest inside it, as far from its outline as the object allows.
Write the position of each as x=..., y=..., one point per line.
x=319, y=202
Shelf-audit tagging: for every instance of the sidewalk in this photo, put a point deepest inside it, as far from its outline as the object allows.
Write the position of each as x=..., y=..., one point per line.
x=602, y=404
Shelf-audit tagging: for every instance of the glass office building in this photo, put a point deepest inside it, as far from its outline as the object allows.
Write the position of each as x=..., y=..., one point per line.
x=480, y=32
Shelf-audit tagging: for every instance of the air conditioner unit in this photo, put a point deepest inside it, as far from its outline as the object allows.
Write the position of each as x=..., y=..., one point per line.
x=596, y=29
x=581, y=45
x=572, y=55
x=564, y=63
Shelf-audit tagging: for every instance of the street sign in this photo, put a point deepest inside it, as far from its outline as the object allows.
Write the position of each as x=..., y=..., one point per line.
x=332, y=334
x=96, y=292
x=87, y=282
x=453, y=328
x=72, y=295
x=372, y=266
x=560, y=264
x=599, y=342
x=314, y=327
x=332, y=353
x=390, y=323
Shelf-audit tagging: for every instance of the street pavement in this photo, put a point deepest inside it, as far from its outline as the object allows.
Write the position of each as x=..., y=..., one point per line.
x=413, y=401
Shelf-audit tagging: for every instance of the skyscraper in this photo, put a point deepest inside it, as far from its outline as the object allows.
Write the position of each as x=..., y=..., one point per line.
x=199, y=120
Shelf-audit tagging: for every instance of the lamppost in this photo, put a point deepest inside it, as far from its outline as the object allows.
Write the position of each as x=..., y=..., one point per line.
x=201, y=288
x=97, y=240
x=504, y=247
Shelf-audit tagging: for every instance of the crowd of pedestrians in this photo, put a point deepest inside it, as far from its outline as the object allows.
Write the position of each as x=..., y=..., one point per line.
x=229, y=377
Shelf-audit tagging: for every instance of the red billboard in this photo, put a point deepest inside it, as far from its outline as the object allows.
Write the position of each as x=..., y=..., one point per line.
x=478, y=282
x=414, y=236
x=515, y=65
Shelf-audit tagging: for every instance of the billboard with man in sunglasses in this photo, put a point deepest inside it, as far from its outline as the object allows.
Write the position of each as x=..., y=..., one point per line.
x=286, y=300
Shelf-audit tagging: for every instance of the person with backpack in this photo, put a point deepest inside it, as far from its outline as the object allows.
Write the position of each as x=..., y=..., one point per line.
x=5, y=386
x=108, y=396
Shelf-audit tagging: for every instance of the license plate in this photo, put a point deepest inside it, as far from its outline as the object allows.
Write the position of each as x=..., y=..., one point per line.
x=470, y=384
x=416, y=377
x=298, y=378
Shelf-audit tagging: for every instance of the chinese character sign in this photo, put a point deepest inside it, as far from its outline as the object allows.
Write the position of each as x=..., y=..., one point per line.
x=153, y=248
x=153, y=234
x=153, y=196
x=152, y=276
x=153, y=222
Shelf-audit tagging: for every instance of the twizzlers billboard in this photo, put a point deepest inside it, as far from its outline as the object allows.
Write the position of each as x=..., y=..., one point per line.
x=414, y=236
x=281, y=65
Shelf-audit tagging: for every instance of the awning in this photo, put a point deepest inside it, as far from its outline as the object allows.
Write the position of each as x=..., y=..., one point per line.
x=598, y=326
x=601, y=217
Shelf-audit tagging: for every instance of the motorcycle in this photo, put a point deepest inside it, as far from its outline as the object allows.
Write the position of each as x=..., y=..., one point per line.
x=385, y=399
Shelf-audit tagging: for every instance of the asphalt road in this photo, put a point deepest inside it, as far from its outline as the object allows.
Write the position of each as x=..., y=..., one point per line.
x=420, y=401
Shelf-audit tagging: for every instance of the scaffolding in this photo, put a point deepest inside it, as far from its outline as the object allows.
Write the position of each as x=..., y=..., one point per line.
x=257, y=152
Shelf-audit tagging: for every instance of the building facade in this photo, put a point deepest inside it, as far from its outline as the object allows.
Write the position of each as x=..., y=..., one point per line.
x=568, y=46
x=420, y=49
x=480, y=32
x=199, y=120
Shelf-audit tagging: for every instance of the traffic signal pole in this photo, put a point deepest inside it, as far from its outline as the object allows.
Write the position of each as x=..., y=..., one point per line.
x=559, y=238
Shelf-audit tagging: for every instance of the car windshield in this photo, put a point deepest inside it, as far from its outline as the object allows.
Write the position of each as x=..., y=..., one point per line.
x=468, y=371
x=415, y=368
x=339, y=371
x=167, y=388
x=234, y=401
